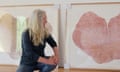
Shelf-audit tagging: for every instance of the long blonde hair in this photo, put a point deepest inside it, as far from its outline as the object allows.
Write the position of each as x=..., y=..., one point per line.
x=37, y=30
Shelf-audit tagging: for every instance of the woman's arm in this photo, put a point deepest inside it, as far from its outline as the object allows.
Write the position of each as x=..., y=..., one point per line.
x=56, y=55
x=53, y=44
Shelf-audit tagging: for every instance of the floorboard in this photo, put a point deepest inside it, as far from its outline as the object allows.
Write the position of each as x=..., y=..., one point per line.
x=12, y=68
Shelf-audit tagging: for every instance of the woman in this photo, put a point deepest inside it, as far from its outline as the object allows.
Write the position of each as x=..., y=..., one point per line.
x=34, y=40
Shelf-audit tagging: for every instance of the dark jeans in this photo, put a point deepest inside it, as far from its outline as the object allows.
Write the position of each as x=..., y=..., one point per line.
x=40, y=66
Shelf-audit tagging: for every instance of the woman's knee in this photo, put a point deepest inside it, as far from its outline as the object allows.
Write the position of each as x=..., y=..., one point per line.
x=48, y=68
x=24, y=68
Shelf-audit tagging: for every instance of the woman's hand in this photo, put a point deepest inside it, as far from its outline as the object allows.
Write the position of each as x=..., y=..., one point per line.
x=47, y=60
x=56, y=59
x=51, y=61
x=56, y=56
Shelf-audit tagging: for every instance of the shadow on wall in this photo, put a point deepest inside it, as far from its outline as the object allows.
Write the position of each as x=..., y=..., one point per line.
x=8, y=35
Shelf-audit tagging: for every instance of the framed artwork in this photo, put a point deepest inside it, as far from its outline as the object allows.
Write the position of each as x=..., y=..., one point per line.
x=93, y=35
x=21, y=13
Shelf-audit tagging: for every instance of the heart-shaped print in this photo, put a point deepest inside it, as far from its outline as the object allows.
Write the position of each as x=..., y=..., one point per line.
x=98, y=39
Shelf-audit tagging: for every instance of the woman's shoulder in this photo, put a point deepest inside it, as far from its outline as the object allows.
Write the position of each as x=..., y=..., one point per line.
x=25, y=32
x=49, y=37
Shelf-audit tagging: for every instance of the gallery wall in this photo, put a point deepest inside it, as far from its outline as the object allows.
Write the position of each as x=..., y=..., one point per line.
x=65, y=22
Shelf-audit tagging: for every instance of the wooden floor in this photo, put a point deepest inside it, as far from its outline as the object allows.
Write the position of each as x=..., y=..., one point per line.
x=85, y=70
x=12, y=68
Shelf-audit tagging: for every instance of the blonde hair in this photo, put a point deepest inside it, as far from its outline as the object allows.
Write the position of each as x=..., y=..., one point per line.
x=37, y=31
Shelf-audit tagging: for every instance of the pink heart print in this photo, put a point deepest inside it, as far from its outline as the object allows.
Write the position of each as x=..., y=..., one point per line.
x=98, y=39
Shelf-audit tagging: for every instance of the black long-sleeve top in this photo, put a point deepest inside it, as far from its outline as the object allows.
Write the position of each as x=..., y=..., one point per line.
x=30, y=52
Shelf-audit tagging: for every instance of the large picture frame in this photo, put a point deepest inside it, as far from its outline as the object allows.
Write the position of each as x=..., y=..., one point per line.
x=77, y=55
x=22, y=12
